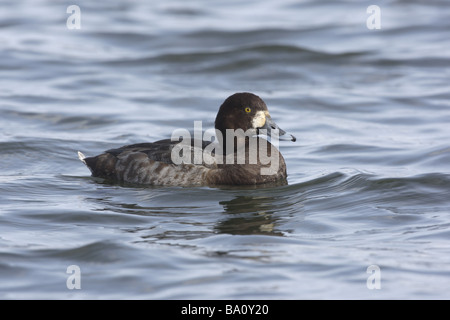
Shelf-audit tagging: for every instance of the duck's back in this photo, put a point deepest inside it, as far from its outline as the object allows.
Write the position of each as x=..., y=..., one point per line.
x=145, y=163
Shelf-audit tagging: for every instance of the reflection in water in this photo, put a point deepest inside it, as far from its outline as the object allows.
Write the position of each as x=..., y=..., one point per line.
x=235, y=211
x=249, y=215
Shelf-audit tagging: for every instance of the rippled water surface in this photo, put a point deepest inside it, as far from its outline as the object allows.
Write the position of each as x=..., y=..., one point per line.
x=369, y=175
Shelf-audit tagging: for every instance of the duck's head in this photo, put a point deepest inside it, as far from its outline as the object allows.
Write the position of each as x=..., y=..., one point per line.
x=247, y=111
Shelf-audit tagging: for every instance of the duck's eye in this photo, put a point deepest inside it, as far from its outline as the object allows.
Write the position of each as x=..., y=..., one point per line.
x=248, y=110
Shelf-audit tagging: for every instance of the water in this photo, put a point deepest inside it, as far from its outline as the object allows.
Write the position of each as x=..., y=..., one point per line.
x=369, y=175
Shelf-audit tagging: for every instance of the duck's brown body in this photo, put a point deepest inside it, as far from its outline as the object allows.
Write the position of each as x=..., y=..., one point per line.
x=152, y=163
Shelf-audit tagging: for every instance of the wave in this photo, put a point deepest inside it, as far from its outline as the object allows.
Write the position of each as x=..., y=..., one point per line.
x=343, y=192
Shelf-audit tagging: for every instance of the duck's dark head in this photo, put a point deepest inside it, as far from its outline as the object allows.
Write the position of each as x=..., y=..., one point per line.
x=247, y=111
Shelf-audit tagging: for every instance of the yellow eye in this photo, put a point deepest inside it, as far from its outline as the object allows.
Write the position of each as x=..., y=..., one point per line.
x=248, y=110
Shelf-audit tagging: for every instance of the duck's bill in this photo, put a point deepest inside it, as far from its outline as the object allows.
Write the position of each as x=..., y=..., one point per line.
x=272, y=130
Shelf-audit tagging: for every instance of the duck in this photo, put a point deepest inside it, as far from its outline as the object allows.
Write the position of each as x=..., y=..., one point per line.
x=244, y=152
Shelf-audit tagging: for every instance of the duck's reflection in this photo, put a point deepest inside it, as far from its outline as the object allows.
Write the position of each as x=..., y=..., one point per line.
x=249, y=211
x=249, y=215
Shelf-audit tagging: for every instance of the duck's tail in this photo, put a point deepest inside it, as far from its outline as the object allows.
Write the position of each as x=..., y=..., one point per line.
x=81, y=156
x=103, y=165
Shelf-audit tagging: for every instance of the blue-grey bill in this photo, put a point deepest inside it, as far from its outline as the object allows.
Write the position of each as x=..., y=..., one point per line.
x=271, y=125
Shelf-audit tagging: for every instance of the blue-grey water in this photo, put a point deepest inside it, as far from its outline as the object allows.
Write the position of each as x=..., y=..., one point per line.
x=369, y=175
